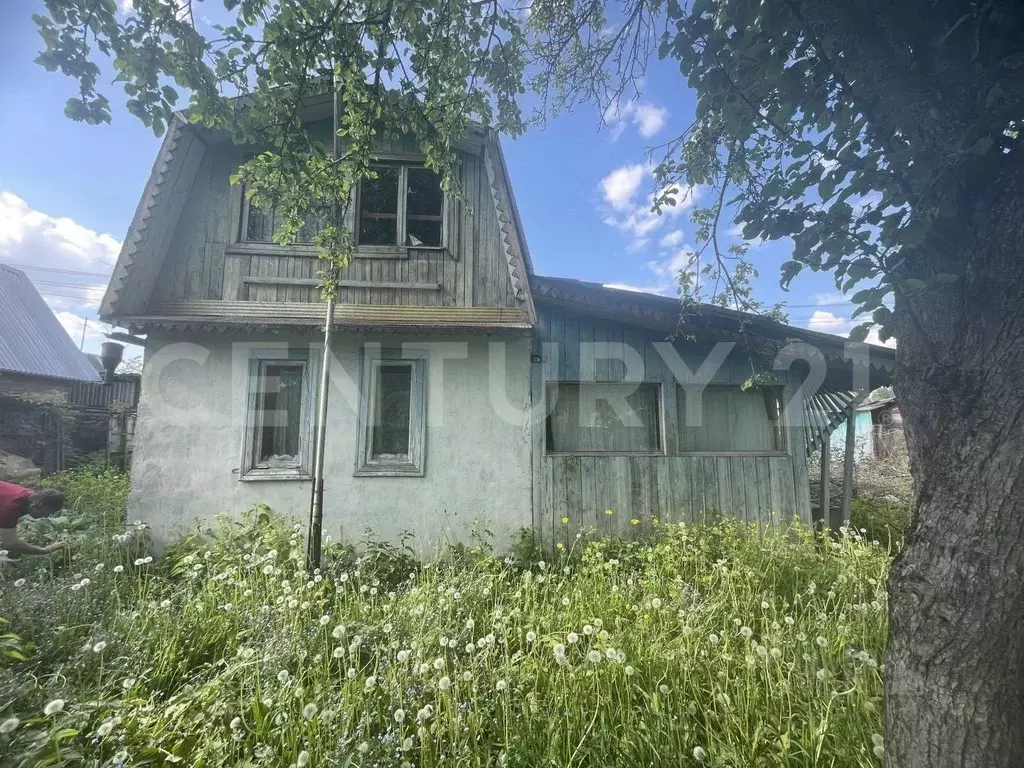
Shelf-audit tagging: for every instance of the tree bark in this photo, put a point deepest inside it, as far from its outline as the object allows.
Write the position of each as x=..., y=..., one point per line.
x=955, y=667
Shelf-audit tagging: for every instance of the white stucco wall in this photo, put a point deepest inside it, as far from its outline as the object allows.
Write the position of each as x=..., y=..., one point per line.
x=191, y=421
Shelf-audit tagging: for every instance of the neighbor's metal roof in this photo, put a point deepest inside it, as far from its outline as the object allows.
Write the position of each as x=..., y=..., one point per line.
x=32, y=340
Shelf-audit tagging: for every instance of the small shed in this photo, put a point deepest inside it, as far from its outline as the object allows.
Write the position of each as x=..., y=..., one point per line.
x=39, y=364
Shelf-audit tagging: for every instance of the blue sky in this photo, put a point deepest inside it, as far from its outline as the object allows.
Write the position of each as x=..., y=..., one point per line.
x=68, y=192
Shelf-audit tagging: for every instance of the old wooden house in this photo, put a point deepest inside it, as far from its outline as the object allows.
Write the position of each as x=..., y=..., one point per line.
x=464, y=387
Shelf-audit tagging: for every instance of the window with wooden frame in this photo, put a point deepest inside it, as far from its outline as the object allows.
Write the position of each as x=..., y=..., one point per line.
x=403, y=207
x=278, y=431
x=605, y=418
x=732, y=421
x=392, y=414
x=259, y=226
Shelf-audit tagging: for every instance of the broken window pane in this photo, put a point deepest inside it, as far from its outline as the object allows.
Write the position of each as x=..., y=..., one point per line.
x=378, y=208
x=424, y=206
x=278, y=416
x=393, y=406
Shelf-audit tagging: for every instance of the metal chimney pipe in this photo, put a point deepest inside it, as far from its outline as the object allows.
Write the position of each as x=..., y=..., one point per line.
x=111, y=354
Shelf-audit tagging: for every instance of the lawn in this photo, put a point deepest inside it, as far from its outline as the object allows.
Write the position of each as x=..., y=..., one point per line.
x=694, y=645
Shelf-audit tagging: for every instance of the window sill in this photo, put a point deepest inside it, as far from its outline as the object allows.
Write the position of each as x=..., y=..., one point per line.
x=610, y=454
x=265, y=475
x=383, y=469
x=313, y=252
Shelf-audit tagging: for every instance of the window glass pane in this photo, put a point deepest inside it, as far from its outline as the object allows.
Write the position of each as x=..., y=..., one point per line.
x=259, y=226
x=279, y=413
x=425, y=203
x=731, y=420
x=378, y=208
x=603, y=418
x=391, y=420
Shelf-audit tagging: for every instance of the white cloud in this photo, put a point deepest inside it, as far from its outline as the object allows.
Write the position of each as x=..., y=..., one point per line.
x=631, y=212
x=648, y=118
x=75, y=324
x=656, y=289
x=672, y=239
x=670, y=268
x=620, y=186
x=53, y=251
x=828, y=322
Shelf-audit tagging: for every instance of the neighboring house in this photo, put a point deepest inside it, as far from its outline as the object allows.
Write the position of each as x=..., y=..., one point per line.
x=39, y=366
x=464, y=386
x=878, y=430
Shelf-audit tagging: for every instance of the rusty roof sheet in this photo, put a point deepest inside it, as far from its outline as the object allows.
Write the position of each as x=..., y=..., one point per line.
x=32, y=340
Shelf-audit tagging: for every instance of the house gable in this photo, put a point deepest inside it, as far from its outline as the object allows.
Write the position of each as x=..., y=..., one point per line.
x=186, y=256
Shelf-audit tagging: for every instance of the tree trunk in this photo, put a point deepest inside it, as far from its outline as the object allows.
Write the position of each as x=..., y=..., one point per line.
x=955, y=668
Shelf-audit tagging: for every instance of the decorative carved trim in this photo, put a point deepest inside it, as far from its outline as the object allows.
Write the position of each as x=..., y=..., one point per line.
x=509, y=241
x=143, y=215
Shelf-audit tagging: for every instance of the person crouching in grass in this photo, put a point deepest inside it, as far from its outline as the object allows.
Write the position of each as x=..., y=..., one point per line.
x=15, y=503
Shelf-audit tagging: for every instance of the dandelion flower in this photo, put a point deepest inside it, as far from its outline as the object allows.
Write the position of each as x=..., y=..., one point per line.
x=302, y=760
x=467, y=676
x=19, y=583
x=663, y=689
x=351, y=673
x=54, y=707
x=444, y=683
x=747, y=632
x=9, y=725
x=594, y=657
x=371, y=681
x=236, y=723
x=565, y=602
x=699, y=754
x=403, y=656
x=309, y=711
x=634, y=521
x=762, y=651
x=565, y=520
x=282, y=676
x=338, y=632
x=714, y=639
x=325, y=620
x=877, y=740
x=407, y=743
x=99, y=647
x=776, y=653
x=559, y=545
x=572, y=638
x=118, y=569
x=399, y=715
x=588, y=630
x=608, y=512
x=821, y=641
x=531, y=636
x=338, y=652
x=363, y=748
x=439, y=663
x=559, y=650
x=656, y=603
x=879, y=751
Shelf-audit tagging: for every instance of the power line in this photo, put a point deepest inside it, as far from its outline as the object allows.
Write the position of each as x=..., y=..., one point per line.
x=60, y=271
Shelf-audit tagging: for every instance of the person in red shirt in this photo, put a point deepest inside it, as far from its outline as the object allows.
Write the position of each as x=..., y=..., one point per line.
x=15, y=503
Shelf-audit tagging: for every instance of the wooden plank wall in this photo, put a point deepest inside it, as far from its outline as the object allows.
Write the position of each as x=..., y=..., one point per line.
x=202, y=264
x=763, y=489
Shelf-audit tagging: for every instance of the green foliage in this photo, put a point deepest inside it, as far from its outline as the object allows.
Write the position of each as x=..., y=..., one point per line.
x=746, y=648
x=422, y=69
x=882, y=520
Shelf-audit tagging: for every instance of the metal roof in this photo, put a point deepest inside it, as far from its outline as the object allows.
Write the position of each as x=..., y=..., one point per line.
x=32, y=340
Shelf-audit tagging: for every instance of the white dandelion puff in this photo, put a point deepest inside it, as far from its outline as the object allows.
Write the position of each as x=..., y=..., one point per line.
x=54, y=707
x=9, y=725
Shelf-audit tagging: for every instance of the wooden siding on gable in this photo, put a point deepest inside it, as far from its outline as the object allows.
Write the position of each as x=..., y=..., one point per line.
x=766, y=487
x=206, y=261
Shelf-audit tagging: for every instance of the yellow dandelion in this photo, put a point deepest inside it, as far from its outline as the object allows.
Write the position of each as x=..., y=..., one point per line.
x=559, y=545
x=634, y=521
x=608, y=512
x=565, y=520
x=655, y=521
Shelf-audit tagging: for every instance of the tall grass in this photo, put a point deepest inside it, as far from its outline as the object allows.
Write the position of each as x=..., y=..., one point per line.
x=707, y=645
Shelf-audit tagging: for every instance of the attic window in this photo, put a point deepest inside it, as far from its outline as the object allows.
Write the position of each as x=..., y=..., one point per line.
x=403, y=206
x=259, y=226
